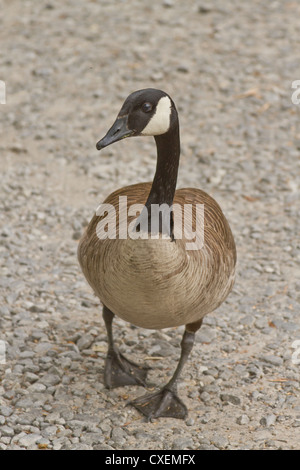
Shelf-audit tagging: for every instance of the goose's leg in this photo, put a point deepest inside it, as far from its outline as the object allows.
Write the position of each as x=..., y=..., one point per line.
x=118, y=370
x=165, y=402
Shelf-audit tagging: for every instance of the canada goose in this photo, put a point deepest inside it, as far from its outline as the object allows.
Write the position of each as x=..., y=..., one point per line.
x=156, y=282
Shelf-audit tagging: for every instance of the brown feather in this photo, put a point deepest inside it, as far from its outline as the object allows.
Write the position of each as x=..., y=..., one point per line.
x=158, y=283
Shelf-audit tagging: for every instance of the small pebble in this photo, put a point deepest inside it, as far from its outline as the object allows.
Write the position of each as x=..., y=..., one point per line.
x=243, y=419
x=233, y=399
x=29, y=440
x=268, y=420
x=231, y=78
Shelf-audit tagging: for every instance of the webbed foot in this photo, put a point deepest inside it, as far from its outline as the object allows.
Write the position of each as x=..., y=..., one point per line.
x=120, y=371
x=164, y=403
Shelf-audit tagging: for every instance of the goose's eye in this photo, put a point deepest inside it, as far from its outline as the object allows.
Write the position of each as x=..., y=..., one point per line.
x=147, y=107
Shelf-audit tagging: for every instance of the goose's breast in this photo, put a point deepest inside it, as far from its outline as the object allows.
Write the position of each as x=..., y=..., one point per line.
x=155, y=283
x=158, y=283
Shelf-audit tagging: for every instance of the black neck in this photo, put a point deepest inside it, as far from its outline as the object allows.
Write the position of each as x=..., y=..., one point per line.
x=165, y=179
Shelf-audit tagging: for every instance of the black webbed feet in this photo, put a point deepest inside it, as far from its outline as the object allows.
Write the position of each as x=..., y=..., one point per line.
x=163, y=403
x=120, y=371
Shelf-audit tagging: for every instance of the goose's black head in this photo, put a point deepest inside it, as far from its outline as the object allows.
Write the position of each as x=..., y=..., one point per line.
x=144, y=112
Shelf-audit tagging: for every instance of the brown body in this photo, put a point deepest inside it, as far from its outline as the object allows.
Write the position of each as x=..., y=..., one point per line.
x=160, y=280
x=157, y=283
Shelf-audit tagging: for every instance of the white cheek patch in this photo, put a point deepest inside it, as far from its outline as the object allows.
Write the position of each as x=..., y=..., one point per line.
x=160, y=121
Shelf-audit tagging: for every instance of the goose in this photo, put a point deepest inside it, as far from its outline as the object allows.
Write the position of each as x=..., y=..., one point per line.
x=152, y=279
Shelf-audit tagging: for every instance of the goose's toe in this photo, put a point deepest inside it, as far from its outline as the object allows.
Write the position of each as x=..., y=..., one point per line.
x=164, y=403
x=120, y=371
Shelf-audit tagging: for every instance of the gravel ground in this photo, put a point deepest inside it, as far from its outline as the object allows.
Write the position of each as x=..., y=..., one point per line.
x=68, y=66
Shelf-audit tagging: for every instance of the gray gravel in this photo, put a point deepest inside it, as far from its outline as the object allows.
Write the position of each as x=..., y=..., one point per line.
x=68, y=67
